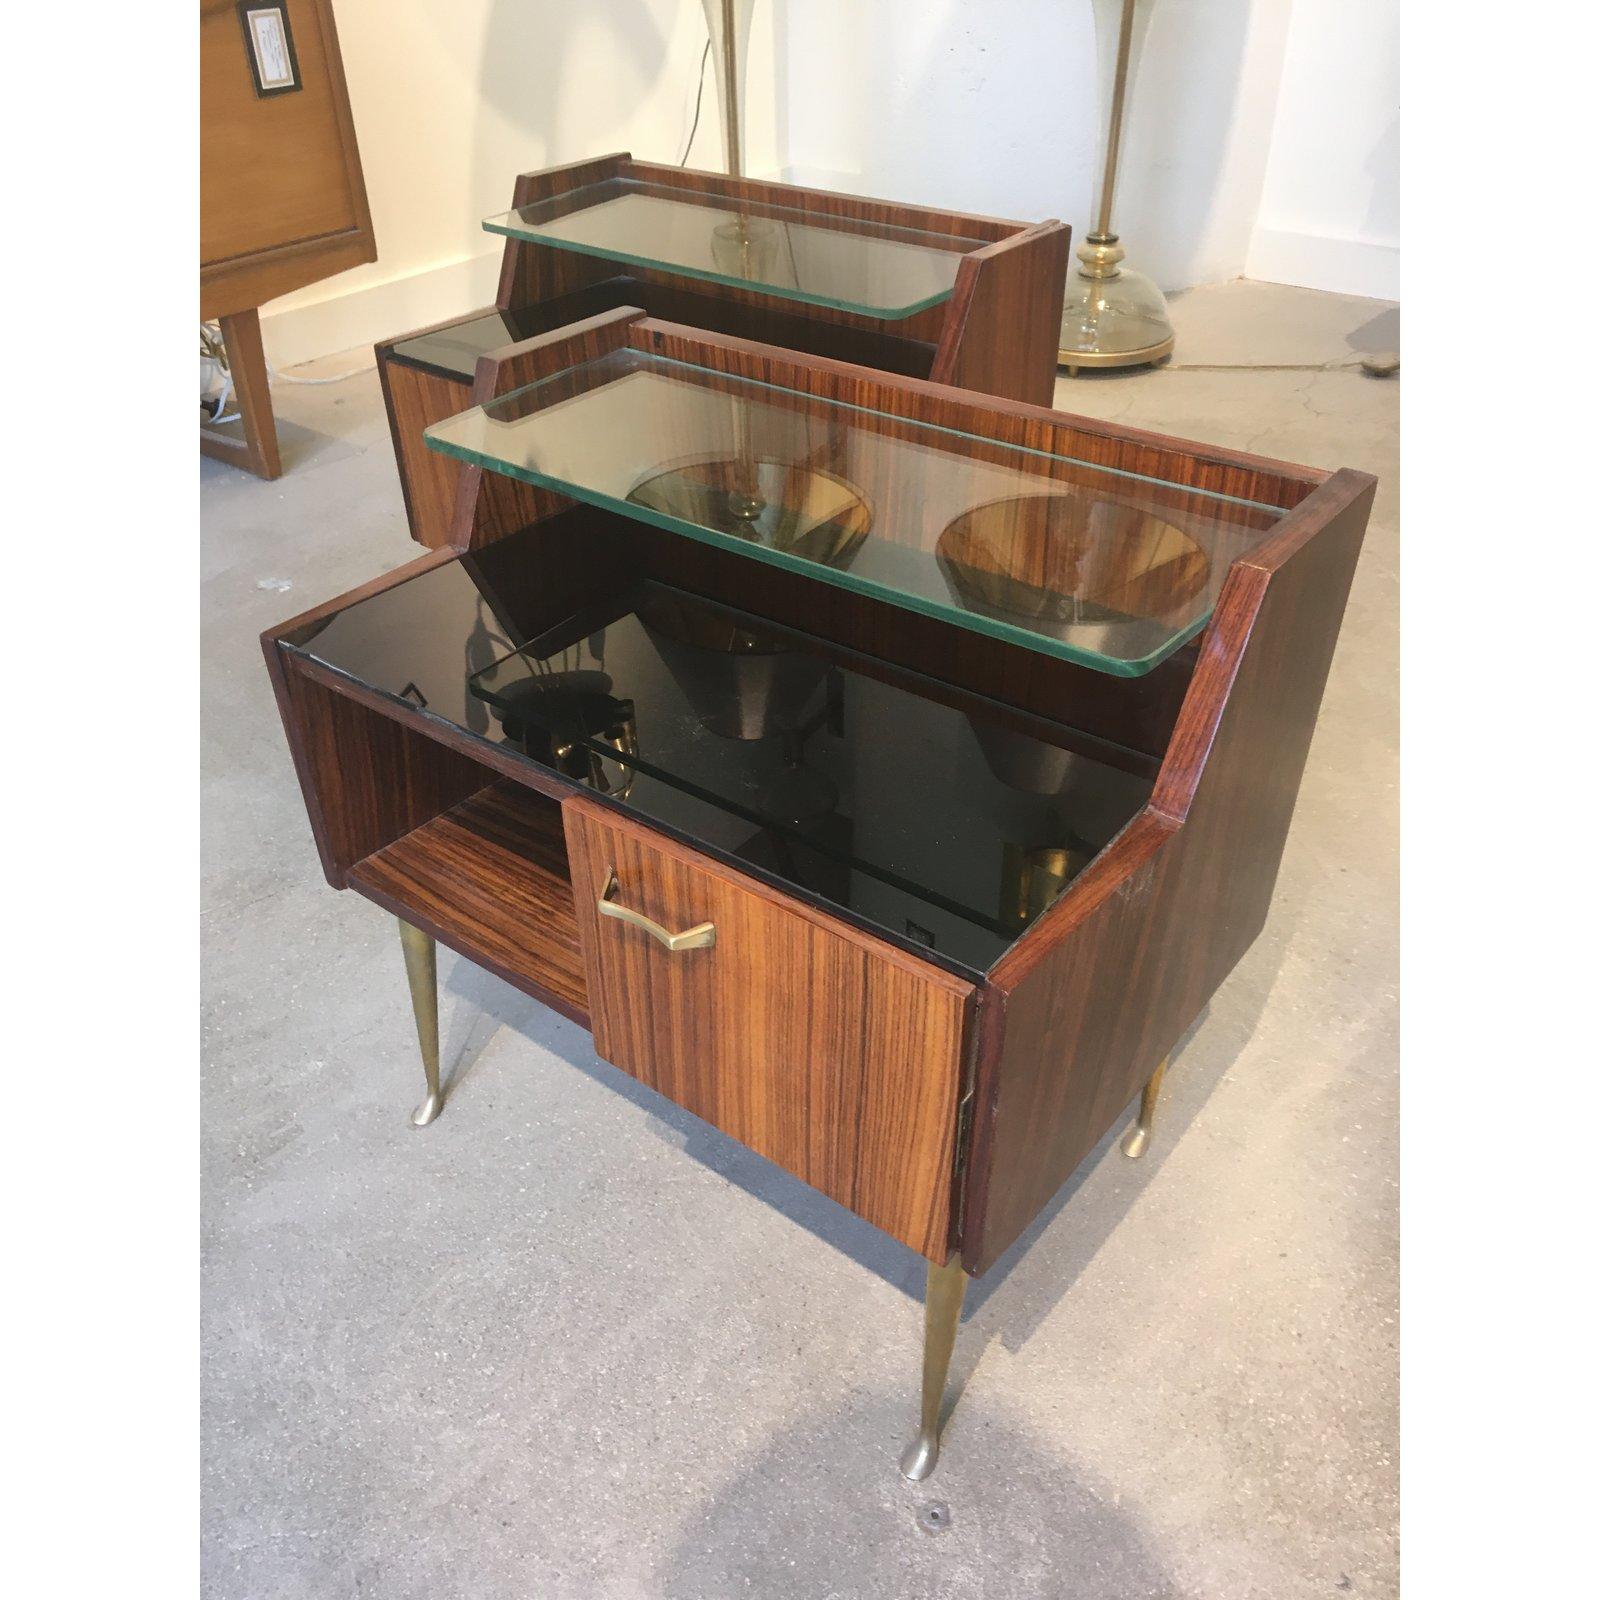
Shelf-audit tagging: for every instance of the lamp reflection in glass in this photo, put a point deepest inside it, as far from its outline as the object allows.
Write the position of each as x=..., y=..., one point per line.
x=1113, y=316
x=780, y=505
x=552, y=713
x=745, y=684
x=746, y=247
x=1088, y=571
x=1031, y=880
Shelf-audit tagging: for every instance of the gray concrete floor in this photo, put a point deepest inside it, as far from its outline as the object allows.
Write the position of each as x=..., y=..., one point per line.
x=568, y=1342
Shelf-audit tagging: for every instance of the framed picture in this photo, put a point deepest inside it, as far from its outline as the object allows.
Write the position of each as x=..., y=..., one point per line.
x=269, y=46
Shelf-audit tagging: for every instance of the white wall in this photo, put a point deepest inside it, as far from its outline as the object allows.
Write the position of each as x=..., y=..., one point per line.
x=1330, y=208
x=994, y=108
x=987, y=107
x=451, y=100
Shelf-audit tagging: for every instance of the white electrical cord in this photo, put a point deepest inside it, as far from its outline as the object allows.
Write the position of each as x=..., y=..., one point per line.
x=222, y=400
x=287, y=377
x=212, y=344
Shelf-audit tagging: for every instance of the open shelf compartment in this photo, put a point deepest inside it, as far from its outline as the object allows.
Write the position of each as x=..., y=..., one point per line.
x=489, y=878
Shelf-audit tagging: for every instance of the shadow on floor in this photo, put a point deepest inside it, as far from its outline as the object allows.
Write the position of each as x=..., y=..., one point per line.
x=816, y=1513
x=1019, y=1292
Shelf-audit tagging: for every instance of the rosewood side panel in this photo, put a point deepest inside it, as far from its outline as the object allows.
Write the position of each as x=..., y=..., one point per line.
x=1003, y=325
x=1096, y=994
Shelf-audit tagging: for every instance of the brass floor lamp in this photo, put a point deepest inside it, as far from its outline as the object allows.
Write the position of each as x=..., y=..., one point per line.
x=1113, y=316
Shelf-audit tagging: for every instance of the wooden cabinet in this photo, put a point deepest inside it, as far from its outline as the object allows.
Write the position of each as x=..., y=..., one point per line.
x=902, y=847
x=282, y=201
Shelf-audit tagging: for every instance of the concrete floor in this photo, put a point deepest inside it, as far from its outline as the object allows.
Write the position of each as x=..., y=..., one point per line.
x=568, y=1342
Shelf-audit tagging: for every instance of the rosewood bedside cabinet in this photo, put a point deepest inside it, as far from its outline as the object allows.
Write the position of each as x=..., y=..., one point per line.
x=971, y=301
x=884, y=773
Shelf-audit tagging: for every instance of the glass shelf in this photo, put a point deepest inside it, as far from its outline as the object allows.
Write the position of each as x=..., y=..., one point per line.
x=848, y=265
x=1106, y=568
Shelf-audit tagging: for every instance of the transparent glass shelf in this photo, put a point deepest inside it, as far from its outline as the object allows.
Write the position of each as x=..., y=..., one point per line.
x=865, y=267
x=1106, y=568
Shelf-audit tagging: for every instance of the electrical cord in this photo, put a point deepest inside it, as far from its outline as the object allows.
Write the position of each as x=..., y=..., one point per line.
x=288, y=377
x=213, y=347
x=1376, y=365
x=699, y=95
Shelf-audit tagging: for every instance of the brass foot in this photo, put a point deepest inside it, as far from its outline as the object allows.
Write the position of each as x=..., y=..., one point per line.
x=947, y=1286
x=422, y=973
x=1139, y=1134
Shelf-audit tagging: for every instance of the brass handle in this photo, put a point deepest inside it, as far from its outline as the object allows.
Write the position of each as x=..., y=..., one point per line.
x=701, y=937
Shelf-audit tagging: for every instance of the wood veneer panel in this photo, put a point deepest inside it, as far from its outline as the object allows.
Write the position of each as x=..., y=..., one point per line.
x=1103, y=986
x=429, y=481
x=489, y=879
x=1003, y=324
x=367, y=779
x=827, y=1051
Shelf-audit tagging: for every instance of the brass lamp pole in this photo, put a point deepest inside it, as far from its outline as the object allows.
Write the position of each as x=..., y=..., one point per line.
x=728, y=23
x=1113, y=316
x=740, y=247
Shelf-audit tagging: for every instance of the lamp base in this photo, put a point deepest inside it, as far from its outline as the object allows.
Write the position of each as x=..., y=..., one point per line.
x=1113, y=317
x=1146, y=357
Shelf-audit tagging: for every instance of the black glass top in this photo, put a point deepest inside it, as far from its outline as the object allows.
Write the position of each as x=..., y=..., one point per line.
x=454, y=349
x=944, y=821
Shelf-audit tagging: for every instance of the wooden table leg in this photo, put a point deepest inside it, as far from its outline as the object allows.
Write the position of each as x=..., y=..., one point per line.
x=257, y=452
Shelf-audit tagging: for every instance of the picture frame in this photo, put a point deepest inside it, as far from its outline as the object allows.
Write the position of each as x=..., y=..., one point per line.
x=269, y=46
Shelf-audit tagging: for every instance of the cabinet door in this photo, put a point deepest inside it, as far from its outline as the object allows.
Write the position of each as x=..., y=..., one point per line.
x=829, y=1052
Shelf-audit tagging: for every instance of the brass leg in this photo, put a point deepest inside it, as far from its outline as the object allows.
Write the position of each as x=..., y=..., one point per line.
x=1139, y=1133
x=941, y=1312
x=422, y=973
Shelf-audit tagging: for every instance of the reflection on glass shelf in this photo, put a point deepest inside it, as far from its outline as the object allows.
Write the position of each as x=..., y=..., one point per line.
x=849, y=265
x=795, y=510
x=1107, y=568
x=1071, y=567
x=942, y=824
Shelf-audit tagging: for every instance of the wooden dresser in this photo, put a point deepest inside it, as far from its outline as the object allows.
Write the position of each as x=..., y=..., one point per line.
x=282, y=202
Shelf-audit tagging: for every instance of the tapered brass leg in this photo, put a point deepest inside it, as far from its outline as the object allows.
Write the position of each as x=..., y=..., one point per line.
x=1139, y=1133
x=947, y=1285
x=422, y=972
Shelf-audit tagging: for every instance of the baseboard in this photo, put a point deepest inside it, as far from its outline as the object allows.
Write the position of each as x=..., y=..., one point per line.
x=296, y=330
x=1314, y=261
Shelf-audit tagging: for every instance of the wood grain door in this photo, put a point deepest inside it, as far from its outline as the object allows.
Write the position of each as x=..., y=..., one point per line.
x=829, y=1052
